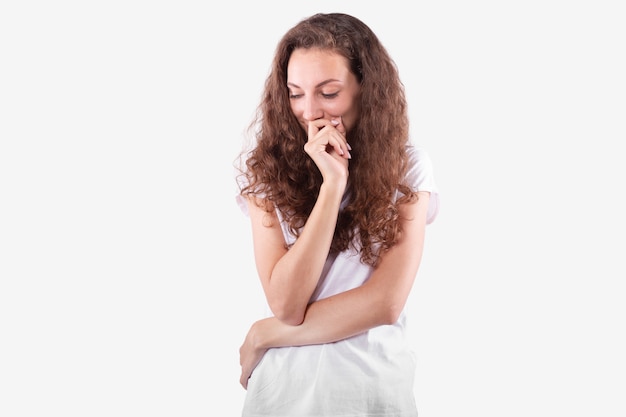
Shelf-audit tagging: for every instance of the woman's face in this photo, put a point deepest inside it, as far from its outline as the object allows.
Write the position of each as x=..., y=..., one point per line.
x=321, y=86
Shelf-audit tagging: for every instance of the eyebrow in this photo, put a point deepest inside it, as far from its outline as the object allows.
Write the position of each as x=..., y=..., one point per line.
x=330, y=80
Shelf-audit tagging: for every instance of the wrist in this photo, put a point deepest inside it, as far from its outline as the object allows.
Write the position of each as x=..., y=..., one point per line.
x=272, y=333
x=261, y=334
x=334, y=190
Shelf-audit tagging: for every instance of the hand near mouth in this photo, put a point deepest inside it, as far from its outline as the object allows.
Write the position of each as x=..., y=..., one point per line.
x=328, y=148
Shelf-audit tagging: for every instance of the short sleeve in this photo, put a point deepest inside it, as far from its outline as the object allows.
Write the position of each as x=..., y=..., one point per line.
x=241, y=181
x=421, y=177
x=242, y=203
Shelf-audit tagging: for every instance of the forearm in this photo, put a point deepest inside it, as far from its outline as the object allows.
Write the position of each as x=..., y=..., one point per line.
x=380, y=300
x=328, y=320
x=297, y=273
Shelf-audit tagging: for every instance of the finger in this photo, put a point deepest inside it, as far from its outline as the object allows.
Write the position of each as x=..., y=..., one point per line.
x=335, y=139
x=339, y=144
x=315, y=126
x=338, y=123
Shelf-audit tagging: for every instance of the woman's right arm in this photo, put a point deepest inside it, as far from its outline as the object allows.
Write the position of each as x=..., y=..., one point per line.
x=289, y=277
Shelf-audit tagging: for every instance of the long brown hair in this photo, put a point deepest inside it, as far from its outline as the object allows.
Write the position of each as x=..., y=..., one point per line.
x=279, y=171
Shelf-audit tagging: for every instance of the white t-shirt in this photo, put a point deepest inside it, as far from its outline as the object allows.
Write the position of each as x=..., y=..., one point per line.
x=370, y=374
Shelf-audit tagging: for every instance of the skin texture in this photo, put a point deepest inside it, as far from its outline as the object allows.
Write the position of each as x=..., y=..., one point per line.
x=332, y=121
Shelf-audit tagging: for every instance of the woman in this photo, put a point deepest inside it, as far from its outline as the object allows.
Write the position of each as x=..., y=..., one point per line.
x=338, y=200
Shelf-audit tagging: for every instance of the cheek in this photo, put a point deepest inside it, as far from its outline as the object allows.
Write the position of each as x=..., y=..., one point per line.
x=348, y=105
x=339, y=109
x=349, y=116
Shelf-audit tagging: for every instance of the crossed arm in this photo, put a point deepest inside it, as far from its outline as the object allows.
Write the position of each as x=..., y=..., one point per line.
x=289, y=277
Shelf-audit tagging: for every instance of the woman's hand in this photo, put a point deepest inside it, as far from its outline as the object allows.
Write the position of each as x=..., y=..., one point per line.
x=328, y=148
x=250, y=353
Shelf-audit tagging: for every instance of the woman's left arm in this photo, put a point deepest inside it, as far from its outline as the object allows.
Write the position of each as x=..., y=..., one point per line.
x=378, y=301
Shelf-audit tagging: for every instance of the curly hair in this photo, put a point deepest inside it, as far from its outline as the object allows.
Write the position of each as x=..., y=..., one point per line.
x=279, y=172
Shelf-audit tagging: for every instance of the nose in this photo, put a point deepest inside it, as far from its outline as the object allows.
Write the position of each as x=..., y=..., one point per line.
x=312, y=109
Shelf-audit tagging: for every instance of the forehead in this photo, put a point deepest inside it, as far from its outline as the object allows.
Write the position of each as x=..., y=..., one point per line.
x=311, y=65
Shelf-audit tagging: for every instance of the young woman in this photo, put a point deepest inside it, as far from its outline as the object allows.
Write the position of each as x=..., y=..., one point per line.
x=338, y=199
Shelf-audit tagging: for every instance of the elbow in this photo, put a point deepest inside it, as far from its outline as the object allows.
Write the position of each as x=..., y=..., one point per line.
x=289, y=315
x=391, y=314
x=391, y=310
x=292, y=320
x=388, y=303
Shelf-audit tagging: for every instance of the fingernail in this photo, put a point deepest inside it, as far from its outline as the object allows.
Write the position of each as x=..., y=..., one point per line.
x=349, y=147
x=334, y=121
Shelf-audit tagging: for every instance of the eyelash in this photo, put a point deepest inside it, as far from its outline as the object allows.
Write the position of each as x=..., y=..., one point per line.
x=326, y=96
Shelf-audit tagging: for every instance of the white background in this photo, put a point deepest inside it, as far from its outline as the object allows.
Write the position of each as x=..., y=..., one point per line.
x=127, y=280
